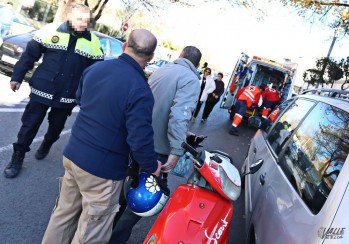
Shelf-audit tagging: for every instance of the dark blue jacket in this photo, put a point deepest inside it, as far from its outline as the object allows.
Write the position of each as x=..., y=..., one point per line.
x=114, y=120
x=56, y=79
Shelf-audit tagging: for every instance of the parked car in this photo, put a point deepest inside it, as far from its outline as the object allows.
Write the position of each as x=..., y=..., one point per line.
x=301, y=192
x=149, y=69
x=13, y=46
x=20, y=24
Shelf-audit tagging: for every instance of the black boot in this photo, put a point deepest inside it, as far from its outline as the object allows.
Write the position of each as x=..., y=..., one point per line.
x=15, y=165
x=234, y=131
x=43, y=150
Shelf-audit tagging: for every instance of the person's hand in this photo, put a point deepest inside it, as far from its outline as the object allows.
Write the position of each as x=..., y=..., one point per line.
x=158, y=170
x=14, y=85
x=170, y=164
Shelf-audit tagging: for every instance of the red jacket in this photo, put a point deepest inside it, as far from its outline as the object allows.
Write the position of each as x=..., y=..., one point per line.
x=250, y=94
x=270, y=95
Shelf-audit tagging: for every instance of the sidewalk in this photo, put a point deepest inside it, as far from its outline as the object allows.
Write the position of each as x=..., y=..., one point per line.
x=7, y=96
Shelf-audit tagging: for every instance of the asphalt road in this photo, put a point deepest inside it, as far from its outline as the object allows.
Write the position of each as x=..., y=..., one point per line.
x=27, y=201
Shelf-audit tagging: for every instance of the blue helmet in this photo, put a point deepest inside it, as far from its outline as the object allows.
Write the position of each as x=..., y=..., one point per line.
x=146, y=195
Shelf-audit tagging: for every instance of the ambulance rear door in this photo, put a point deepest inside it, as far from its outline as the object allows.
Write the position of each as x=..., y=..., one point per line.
x=234, y=83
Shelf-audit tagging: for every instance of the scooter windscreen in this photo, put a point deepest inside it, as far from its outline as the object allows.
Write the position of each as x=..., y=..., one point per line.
x=230, y=188
x=222, y=175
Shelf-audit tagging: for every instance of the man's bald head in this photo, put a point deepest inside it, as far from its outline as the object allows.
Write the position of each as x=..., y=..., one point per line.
x=142, y=42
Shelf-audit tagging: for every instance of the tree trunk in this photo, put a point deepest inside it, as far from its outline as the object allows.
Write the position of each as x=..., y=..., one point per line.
x=64, y=7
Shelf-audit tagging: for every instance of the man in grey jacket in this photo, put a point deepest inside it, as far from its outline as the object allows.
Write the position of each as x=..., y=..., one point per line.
x=176, y=88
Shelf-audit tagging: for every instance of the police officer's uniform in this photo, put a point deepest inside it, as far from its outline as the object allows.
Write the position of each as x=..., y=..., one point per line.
x=54, y=82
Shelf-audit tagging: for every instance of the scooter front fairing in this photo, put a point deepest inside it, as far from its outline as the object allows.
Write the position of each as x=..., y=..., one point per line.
x=192, y=215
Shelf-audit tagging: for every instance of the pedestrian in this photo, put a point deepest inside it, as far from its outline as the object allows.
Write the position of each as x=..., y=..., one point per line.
x=246, y=97
x=206, y=87
x=271, y=99
x=213, y=98
x=6, y=18
x=113, y=124
x=175, y=87
x=68, y=49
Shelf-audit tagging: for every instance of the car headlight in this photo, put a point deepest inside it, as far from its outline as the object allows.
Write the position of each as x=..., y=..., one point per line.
x=19, y=49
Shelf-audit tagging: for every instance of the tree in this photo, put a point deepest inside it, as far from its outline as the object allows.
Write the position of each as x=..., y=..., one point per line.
x=64, y=7
x=332, y=12
x=344, y=64
x=327, y=71
x=97, y=6
x=335, y=12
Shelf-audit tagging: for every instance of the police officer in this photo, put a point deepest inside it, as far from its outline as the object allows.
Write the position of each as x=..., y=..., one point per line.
x=68, y=48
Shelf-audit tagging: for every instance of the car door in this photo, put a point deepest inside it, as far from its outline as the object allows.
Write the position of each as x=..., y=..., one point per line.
x=288, y=201
x=228, y=97
x=262, y=184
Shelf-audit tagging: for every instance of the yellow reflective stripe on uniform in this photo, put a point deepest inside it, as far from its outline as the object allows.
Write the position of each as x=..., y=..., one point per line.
x=90, y=49
x=51, y=38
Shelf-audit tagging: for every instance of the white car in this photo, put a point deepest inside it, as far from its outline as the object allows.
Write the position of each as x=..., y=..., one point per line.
x=152, y=67
x=301, y=192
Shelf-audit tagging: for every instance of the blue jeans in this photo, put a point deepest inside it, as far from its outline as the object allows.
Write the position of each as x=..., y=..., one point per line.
x=241, y=107
x=125, y=219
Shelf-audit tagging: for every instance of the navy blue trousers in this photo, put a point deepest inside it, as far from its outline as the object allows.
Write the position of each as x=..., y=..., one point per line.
x=32, y=118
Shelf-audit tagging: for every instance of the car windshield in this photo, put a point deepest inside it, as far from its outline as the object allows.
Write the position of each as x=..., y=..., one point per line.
x=17, y=17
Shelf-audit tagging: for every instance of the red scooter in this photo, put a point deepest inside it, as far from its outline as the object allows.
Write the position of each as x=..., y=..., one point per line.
x=201, y=210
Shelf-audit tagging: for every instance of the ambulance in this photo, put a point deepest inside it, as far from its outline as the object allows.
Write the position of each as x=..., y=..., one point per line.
x=259, y=71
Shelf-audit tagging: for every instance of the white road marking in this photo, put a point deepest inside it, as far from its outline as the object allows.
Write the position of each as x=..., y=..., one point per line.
x=37, y=139
x=17, y=110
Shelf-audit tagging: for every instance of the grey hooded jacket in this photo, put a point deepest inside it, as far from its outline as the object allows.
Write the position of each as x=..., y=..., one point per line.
x=176, y=89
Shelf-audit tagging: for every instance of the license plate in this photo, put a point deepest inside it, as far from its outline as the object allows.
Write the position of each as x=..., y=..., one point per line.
x=9, y=59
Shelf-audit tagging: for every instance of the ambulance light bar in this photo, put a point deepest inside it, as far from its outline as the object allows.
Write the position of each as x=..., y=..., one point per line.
x=272, y=62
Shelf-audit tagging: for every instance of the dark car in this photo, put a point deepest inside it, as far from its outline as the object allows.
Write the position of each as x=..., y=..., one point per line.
x=13, y=46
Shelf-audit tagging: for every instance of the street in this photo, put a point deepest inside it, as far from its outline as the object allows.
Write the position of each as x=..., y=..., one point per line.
x=27, y=200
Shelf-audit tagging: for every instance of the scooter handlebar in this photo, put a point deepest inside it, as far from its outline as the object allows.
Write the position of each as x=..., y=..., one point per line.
x=190, y=149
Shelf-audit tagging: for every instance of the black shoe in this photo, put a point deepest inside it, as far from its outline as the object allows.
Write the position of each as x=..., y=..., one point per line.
x=43, y=150
x=15, y=165
x=203, y=120
x=234, y=131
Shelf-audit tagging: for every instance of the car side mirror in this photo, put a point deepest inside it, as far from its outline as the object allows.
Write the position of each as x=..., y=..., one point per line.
x=255, y=167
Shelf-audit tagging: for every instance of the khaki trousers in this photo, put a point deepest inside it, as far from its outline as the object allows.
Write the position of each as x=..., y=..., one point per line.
x=85, y=209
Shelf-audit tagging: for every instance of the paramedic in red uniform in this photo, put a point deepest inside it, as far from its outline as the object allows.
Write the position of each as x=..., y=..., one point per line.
x=246, y=97
x=271, y=99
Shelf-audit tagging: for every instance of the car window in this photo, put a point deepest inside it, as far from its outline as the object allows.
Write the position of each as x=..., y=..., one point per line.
x=116, y=48
x=288, y=121
x=104, y=44
x=276, y=112
x=161, y=63
x=316, y=154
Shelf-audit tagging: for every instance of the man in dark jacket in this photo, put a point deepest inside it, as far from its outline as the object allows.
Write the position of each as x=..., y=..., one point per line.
x=68, y=49
x=213, y=97
x=113, y=124
x=175, y=87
